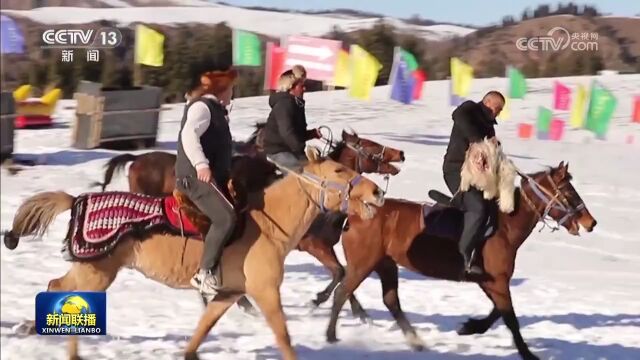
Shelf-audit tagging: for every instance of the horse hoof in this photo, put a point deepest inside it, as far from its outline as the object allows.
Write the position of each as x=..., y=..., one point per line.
x=191, y=356
x=471, y=327
x=332, y=339
x=25, y=328
x=415, y=342
x=10, y=240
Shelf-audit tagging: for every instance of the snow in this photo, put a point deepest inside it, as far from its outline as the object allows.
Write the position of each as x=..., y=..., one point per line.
x=576, y=297
x=270, y=23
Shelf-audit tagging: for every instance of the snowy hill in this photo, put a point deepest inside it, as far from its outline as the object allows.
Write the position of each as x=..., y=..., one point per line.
x=576, y=297
x=271, y=23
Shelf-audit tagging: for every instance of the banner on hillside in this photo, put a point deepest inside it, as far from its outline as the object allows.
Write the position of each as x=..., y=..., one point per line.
x=317, y=55
x=517, y=83
x=561, y=96
x=461, y=78
x=273, y=65
x=364, y=69
x=11, y=38
x=543, y=125
x=149, y=47
x=578, y=108
x=601, y=107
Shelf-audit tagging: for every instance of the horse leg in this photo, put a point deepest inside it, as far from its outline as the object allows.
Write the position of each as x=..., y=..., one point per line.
x=353, y=277
x=387, y=270
x=480, y=326
x=214, y=311
x=268, y=299
x=88, y=276
x=501, y=295
x=319, y=249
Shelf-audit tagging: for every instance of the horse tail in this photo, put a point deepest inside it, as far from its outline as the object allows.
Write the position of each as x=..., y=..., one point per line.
x=116, y=164
x=36, y=214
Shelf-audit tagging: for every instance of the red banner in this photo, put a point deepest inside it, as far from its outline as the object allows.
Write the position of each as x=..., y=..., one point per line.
x=273, y=65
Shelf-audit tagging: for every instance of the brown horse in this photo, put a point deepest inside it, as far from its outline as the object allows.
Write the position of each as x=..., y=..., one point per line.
x=399, y=234
x=152, y=174
x=277, y=218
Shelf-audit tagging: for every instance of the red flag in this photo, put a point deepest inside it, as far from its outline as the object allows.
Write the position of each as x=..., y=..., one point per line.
x=561, y=96
x=636, y=110
x=525, y=131
x=419, y=78
x=273, y=65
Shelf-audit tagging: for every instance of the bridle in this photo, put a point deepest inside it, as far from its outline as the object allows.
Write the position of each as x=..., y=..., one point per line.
x=552, y=201
x=344, y=190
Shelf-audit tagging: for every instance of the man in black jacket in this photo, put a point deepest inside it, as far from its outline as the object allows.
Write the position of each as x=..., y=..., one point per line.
x=286, y=129
x=472, y=122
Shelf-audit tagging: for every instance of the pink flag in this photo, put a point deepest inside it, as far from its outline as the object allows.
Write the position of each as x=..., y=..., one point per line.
x=561, y=96
x=556, y=129
x=636, y=110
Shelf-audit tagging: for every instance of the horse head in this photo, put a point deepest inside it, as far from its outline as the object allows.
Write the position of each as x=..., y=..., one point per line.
x=370, y=156
x=553, y=195
x=340, y=188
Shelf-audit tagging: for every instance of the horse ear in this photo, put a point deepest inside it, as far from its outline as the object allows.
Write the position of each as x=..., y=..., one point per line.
x=561, y=164
x=313, y=154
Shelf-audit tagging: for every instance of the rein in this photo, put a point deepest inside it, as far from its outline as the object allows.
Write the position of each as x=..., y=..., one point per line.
x=557, y=201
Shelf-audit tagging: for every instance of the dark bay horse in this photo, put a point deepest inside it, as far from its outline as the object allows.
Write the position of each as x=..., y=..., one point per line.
x=399, y=234
x=153, y=174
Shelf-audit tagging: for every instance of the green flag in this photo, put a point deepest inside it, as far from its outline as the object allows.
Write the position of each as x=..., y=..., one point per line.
x=601, y=107
x=517, y=83
x=246, y=48
x=544, y=120
x=411, y=61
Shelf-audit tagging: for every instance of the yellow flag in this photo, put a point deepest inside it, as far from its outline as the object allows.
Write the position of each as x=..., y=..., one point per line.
x=364, y=72
x=578, y=109
x=149, y=46
x=342, y=75
x=505, y=114
x=461, y=76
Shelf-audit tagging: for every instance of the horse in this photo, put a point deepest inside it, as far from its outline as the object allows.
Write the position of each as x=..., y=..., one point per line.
x=253, y=263
x=152, y=174
x=400, y=234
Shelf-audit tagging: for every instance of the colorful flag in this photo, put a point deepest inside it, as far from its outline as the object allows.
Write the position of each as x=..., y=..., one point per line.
x=149, y=46
x=505, y=114
x=517, y=83
x=636, y=110
x=454, y=100
x=419, y=77
x=273, y=66
x=11, y=38
x=342, y=75
x=543, y=125
x=364, y=69
x=525, y=131
x=401, y=77
x=578, y=108
x=461, y=77
x=561, y=96
x=556, y=129
x=246, y=49
x=601, y=108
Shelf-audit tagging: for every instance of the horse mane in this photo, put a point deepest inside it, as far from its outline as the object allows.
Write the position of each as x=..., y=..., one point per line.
x=253, y=138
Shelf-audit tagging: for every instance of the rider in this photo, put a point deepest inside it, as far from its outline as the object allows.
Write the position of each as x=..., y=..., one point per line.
x=203, y=167
x=472, y=122
x=286, y=131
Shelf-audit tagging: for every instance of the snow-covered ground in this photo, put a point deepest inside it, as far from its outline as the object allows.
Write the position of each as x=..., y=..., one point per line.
x=270, y=23
x=576, y=297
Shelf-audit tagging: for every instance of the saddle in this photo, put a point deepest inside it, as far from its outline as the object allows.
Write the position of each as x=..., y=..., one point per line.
x=100, y=220
x=445, y=218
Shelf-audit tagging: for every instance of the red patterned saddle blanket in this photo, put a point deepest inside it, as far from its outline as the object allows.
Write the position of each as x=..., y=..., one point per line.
x=100, y=220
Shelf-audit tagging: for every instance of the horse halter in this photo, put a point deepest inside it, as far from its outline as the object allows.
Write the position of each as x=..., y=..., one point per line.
x=378, y=159
x=327, y=185
x=556, y=201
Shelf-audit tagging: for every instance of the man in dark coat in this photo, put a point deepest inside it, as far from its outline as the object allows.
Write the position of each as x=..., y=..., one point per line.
x=472, y=122
x=203, y=168
x=286, y=131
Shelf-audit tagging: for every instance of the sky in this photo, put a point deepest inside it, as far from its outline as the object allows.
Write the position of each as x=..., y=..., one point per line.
x=472, y=12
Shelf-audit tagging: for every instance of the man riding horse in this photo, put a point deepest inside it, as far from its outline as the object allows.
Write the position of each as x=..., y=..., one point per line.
x=472, y=122
x=286, y=131
x=203, y=167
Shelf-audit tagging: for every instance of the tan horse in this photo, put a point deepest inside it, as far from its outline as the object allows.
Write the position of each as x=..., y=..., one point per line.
x=253, y=263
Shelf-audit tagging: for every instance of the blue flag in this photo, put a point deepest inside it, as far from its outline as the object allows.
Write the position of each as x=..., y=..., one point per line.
x=402, y=88
x=454, y=100
x=11, y=39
